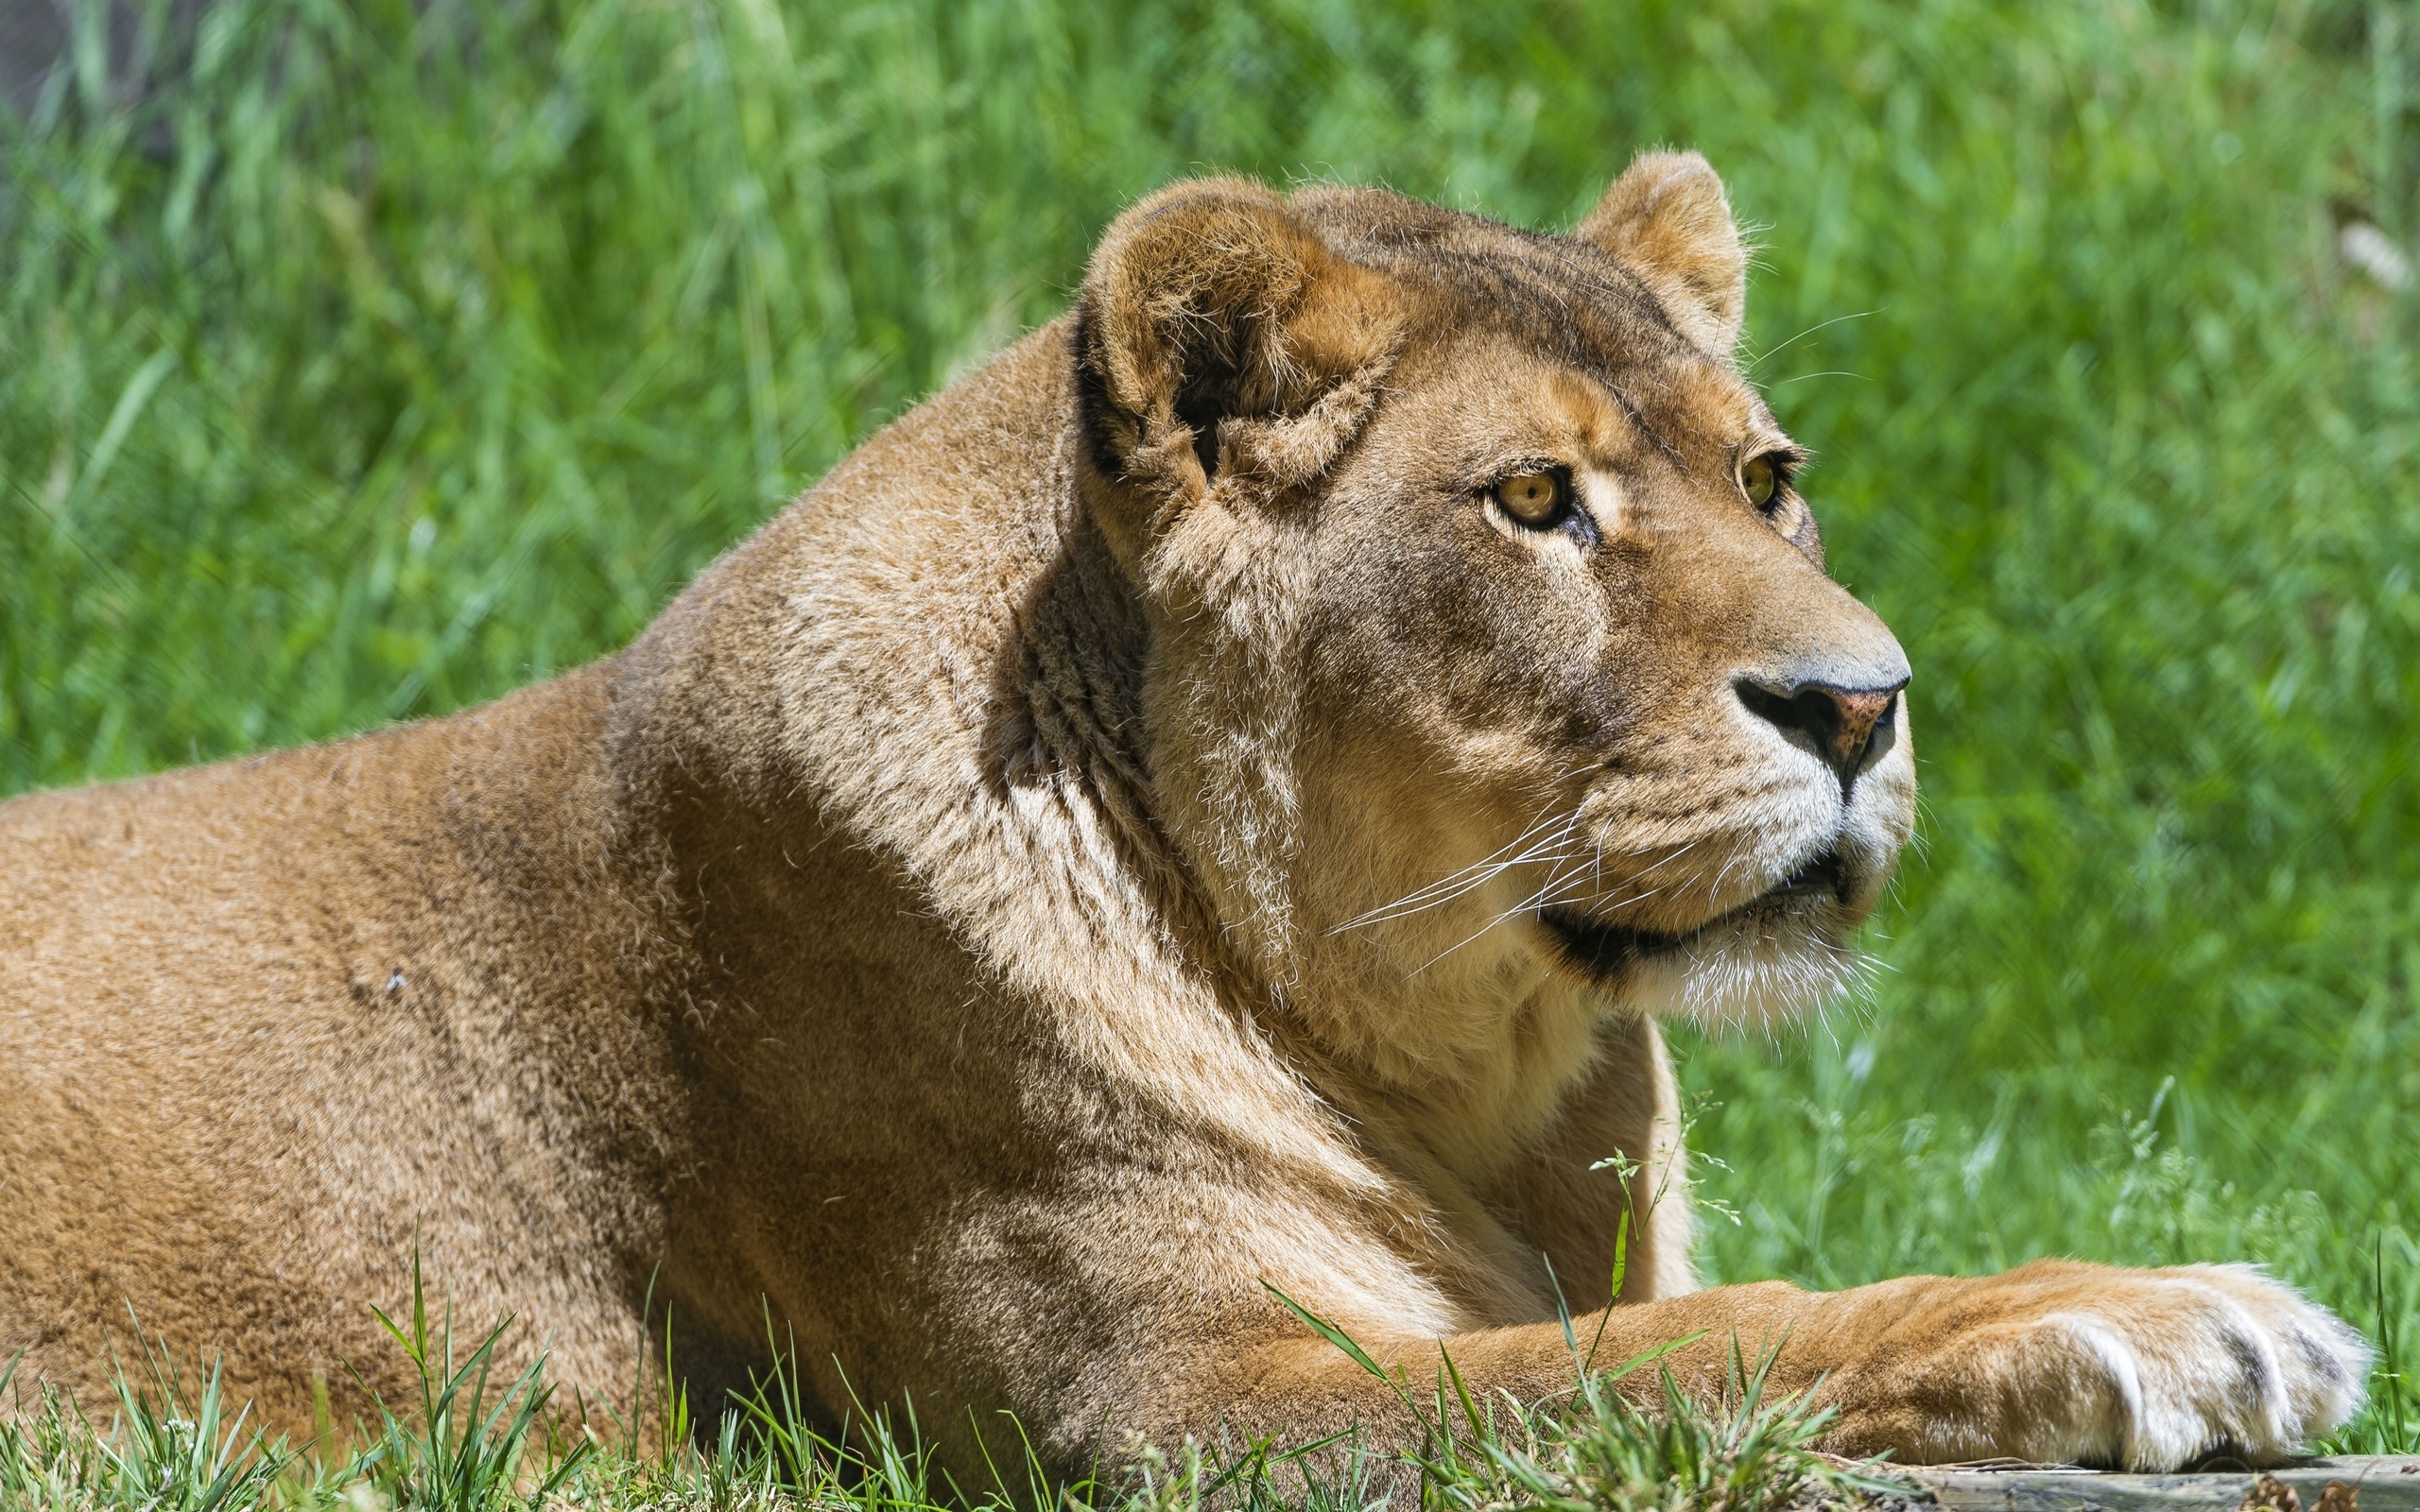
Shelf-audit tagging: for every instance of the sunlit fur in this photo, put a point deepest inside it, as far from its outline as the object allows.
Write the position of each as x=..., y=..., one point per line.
x=1144, y=832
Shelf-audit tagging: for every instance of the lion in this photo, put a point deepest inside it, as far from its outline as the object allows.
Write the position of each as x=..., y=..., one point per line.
x=1216, y=803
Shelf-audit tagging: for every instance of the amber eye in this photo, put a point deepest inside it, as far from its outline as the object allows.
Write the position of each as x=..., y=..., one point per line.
x=1531, y=498
x=1758, y=479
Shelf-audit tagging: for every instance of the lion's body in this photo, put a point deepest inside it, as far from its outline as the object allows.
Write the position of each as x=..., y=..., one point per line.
x=494, y=985
x=915, y=944
x=255, y=1035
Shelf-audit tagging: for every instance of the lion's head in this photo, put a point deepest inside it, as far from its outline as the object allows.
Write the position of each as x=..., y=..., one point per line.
x=1495, y=673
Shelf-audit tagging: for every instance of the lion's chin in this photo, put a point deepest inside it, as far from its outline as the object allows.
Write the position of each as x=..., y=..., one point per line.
x=1756, y=966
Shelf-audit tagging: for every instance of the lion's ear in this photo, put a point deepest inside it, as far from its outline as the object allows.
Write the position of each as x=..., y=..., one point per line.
x=1668, y=217
x=1215, y=331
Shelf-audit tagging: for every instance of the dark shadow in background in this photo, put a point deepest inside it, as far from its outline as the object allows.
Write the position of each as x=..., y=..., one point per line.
x=36, y=47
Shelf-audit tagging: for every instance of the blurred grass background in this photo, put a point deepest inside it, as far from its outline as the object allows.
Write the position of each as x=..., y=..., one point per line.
x=381, y=357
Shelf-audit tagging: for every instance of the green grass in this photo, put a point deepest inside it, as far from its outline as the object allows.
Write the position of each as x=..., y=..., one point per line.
x=473, y=1444
x=403, y=358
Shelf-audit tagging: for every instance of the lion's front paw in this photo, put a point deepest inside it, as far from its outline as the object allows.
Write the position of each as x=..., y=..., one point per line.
x=2066, y=1362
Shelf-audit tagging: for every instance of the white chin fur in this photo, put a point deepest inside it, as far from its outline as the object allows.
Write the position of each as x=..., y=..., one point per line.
x=1750, y=973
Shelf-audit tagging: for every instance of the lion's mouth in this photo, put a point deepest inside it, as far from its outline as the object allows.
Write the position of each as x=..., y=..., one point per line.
x=1608, y=950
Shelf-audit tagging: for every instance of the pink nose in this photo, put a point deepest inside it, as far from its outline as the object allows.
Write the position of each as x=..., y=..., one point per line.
x=1849, y=728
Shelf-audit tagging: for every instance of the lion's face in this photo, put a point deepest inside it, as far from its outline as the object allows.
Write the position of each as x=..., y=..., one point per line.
x=1496, y=668
x=1578, y=678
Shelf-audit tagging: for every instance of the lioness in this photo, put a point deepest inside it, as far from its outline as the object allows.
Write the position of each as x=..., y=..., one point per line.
x=1220, y=796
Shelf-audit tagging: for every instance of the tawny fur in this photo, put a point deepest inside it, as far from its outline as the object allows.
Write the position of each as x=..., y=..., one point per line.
x=1147, y=828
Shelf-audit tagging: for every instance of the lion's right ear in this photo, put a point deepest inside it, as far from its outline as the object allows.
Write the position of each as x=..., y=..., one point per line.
x=1668, y=217
x=1218, y=334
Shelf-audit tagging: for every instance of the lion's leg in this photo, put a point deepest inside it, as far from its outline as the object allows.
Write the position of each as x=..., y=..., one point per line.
x=2056, y=1362
x=1610, y=1174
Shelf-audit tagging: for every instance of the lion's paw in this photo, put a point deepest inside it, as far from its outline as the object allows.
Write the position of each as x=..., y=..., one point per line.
x=2141, y=1369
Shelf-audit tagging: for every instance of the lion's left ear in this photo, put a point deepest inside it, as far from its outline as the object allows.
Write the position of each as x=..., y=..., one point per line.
x=1668, y=218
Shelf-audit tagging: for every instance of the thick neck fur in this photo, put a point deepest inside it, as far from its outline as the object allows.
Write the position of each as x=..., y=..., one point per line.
x=1133, y=765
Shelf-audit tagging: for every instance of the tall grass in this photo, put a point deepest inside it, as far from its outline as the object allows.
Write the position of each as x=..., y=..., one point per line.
x=405, y=352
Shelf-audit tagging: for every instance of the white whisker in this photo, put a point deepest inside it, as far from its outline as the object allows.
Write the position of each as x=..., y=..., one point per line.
x=1478, y=874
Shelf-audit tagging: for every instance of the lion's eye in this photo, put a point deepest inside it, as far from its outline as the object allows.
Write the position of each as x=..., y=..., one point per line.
x=1531, y=498
x=1758, y=479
